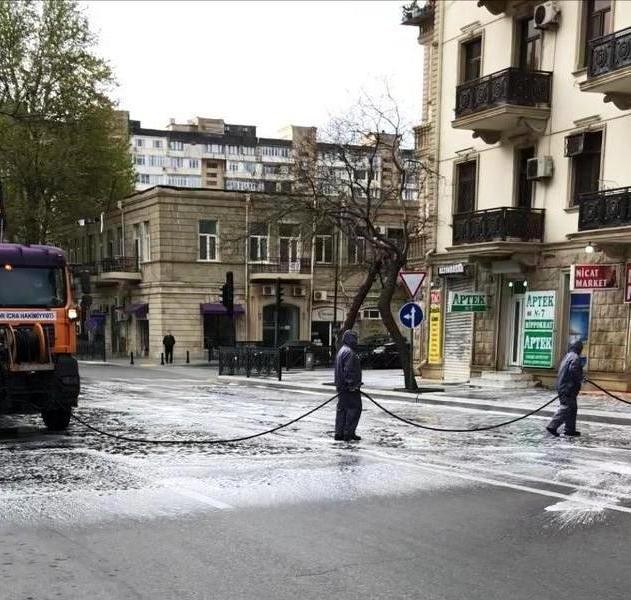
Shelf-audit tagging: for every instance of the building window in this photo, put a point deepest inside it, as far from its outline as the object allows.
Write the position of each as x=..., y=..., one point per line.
x=233, y=166
x=280, y=151
x=324, y=246
x=471, y=58
x=177, y=162
x=140, y=159
x=524, y=185
x=529, y=45
x=232, y=149
x=157, y=143
x=356, y=250
x=259, y=237
x=189, y=181
x=144, y=178
x=156, y=161
x=121, y=241
x=137, y=243
x=371, y=314
x=465, y=186
x=208, y=240
x=596, y=23
x=410, y=194
x=396, y=236
x=175, y=145
x=248, y=150
x=145, y=242
x=584, y=150
x=214, y=148
x=193, y=163
x=139, y=142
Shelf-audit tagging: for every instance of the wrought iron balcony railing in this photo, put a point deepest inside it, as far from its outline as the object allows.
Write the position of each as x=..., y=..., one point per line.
x=498, y=224
x=607, y=208
x=300, y=265
x=510, y=86
x=609, y=53
x=121, y=264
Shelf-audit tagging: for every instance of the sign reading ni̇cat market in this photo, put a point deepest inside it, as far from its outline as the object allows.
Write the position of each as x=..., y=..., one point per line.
x=594, y=277
x=466, y=302
x=539, y=329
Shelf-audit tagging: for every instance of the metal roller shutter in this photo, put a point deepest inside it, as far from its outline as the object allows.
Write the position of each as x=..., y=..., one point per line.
x=458, y=338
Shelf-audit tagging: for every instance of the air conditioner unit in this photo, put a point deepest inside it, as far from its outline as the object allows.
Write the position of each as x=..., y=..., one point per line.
x=268, y=290
x=121, y=316
x=298, y=292
x=539, y=168
x=319, y=295
x=547, y=15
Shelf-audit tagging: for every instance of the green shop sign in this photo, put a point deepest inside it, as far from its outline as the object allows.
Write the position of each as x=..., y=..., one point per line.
x=539, y=329
x=466, y=302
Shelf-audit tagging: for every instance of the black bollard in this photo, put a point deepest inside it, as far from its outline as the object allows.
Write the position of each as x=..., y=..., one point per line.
x=162, y=358
x=188, y=358
x=131, y=358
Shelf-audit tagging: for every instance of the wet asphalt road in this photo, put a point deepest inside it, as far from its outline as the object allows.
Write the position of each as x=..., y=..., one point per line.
x=508, y=514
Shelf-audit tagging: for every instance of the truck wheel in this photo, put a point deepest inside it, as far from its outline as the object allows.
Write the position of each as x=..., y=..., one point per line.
x=58, y=419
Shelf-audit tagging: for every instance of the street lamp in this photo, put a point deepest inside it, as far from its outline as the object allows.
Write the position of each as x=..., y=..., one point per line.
x=589, y=249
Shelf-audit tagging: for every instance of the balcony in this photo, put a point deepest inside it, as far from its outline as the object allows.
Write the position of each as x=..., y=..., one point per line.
x=499, y=229
x=415, y=15
x=609, y=68
x=508, y=101
x=285, y=270
x=113, y=270
x=605, y=209
x=497, y=7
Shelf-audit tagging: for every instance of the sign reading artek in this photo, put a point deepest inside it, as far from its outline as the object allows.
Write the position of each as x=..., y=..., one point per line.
x=539, y=329
x=466, y=302
x=594, y=277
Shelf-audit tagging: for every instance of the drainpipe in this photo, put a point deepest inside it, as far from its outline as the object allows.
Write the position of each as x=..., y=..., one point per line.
x=121, y=208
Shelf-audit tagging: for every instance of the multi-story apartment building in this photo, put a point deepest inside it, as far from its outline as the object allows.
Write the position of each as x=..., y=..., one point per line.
x=161, y=259
x=526, y=121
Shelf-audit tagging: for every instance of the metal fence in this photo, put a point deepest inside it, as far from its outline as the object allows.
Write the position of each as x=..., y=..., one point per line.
x=248, y=360
x=91, y=349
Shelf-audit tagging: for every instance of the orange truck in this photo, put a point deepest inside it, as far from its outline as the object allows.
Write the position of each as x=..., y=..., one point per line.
x=38, y=372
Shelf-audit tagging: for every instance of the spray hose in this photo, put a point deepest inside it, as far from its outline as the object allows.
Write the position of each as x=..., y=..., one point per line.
x=244, y=438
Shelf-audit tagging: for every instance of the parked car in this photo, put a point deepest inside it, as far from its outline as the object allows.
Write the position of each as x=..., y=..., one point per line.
x=379, y=352
x=294, y=353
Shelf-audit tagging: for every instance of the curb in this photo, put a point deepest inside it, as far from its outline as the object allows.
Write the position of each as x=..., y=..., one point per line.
x=588, y=416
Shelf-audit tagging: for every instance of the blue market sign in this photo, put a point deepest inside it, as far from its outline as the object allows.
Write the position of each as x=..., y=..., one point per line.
x=411, y=315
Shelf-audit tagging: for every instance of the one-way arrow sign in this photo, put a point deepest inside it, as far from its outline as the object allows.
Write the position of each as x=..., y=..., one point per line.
x=413, y=280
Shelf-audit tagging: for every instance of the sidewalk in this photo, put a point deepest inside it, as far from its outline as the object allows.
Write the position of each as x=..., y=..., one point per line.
x=145, y=362
x=387, y=384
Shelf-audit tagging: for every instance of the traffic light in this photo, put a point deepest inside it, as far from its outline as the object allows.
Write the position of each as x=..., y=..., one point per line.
x=279, y=294
x=227, y=292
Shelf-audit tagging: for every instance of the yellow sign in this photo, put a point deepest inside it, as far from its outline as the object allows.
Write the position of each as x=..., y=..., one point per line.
x=435, y=353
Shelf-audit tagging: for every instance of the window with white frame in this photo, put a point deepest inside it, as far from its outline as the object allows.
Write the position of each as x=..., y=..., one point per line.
x=356, y=250
x=279, y=151
x=137, y=243
x=259, y=242
x=156, y=161
x=139, y=142
x=214, y=148
x=233, y=166
x=157, y=143
x=245, y=185
x=140, y=159
x=144, y=178
x=145, y=242
x=409, y=194
x=232, y=149
x=208, y=240
x=371, y=314
x=193, y=163
x=248, y=150
x=176, y=145
x=190, y=181
x=324, y=245
x=177, y=162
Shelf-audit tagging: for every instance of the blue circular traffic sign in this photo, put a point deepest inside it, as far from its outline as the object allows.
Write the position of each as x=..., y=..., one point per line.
x=411, y=315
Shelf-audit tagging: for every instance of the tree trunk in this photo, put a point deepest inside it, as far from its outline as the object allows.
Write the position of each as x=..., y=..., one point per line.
x=358, y=300
x=392, y=268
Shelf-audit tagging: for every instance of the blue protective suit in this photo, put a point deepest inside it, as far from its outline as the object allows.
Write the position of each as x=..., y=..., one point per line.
x=569, y=380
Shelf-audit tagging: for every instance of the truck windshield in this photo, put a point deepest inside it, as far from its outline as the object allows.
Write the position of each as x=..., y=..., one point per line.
x=32, y=287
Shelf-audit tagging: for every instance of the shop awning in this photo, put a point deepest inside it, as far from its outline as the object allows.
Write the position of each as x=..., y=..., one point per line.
x=138, y=310
x=216, y=308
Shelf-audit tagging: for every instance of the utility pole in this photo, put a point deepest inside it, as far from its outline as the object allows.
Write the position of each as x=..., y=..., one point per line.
x=227, y=299
x=336, y=250
x=279, y=301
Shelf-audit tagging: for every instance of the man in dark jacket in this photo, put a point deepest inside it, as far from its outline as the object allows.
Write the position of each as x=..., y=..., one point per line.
x=168, y=342
x=348, y=380
x=569, y=382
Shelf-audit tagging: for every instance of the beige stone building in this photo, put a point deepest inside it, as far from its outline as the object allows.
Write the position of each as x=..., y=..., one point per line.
x=526, y=121
x=161, y=259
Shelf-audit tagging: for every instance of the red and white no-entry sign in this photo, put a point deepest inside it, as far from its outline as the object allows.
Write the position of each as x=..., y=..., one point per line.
x=413, y=280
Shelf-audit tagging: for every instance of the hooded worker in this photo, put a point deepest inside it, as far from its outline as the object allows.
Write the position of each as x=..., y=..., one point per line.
x=348, y=380
x=569, y=382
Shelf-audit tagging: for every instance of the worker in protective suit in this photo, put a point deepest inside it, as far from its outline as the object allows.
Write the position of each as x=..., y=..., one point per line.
x=348, y=380
x=569, y=380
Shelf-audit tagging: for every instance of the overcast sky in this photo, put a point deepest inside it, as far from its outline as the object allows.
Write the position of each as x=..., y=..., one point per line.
x=268, y=64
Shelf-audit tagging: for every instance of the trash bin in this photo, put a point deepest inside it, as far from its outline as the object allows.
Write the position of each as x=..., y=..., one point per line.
x=309, y=360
